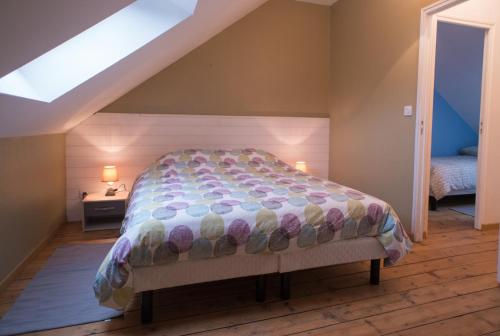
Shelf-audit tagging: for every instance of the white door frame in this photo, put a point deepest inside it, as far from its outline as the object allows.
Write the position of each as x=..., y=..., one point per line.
x=424, y=108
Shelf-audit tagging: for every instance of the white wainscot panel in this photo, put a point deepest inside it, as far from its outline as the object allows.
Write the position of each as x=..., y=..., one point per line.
x=134, y=141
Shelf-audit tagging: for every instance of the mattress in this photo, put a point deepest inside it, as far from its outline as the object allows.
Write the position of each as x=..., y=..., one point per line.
x=196, y=205
x=453, y=175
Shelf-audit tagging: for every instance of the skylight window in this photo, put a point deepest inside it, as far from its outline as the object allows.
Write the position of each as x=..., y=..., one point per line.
x=80, y=58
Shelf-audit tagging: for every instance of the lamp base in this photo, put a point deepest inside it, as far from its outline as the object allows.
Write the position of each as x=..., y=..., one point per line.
x=110, y=192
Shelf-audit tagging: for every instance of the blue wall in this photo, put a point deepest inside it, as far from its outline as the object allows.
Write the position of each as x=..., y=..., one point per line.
x=449, y=131
x=459, y=69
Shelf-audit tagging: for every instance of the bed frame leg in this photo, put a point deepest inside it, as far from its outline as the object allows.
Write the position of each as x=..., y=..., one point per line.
x=147, y=307
x=375, y=271
x=260, y=287
x=433, y=204
x=285, y=286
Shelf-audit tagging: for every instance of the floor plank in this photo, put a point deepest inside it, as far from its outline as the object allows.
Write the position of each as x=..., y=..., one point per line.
x=484, y=322
x=438, y=310
x=447, y=283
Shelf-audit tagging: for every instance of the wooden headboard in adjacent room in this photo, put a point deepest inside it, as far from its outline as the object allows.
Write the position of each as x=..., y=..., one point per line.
x=133, y=141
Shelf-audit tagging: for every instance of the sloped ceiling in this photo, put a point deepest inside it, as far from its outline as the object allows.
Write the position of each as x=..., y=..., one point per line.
x=29, y=28
x=459, y=64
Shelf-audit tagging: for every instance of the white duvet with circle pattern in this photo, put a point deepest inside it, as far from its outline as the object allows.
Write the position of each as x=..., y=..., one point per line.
x=200, y=204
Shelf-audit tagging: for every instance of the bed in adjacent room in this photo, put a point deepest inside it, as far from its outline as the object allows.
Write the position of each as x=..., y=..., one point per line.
x=203, y=215
x=453, y=175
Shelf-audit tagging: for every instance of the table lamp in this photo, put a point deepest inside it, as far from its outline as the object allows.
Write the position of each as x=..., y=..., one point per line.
x=301, y=165
x=110, y=176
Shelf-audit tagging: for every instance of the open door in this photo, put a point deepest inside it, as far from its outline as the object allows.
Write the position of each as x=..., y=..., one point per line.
x=483, y=14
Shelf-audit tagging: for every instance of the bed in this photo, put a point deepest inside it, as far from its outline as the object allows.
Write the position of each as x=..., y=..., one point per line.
x=452, y=175
x=204, y=215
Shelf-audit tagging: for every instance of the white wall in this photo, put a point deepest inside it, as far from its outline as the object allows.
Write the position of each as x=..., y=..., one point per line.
x=133, y=141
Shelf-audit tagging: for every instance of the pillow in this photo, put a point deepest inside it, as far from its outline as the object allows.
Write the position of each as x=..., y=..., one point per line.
x=471, y=150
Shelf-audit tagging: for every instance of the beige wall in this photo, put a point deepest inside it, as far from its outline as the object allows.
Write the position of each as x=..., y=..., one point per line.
x=356, y=61
x=274, y=61
x=373, y=75
x=32, y=195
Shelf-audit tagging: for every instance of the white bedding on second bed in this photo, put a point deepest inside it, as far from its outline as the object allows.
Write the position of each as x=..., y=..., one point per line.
x=452, y=175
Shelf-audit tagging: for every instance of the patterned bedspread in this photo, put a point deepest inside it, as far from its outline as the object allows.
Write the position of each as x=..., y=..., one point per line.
x=452, y=174
x=199, y=204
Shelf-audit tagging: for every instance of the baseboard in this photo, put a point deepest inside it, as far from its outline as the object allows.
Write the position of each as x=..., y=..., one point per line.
x=4, y=283
x=490, y=226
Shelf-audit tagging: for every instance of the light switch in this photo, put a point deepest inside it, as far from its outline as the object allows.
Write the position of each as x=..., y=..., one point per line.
x=408, y=111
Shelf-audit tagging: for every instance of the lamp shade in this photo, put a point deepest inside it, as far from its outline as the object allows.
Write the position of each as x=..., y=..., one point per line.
x=109, y=174
x=301, y=165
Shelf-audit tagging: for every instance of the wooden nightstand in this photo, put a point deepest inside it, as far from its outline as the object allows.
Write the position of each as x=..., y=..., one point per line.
x=104, y=212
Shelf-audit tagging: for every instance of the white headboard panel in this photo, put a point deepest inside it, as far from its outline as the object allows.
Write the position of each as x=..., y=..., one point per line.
x=133, y=141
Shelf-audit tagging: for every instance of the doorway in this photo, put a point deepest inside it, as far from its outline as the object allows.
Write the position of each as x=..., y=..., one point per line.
x=432, y=96
x=455, y=124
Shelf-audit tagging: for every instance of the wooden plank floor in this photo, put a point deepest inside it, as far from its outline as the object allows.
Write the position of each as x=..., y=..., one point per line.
x=447, y=286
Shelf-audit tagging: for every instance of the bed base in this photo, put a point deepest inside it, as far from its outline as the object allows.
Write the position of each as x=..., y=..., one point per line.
x=147, y=279
x=147, y=307
x=147, y=298
x=375, y=271
x=260, y=290
x=433, y=203
x=285, y=279
x=285, y=286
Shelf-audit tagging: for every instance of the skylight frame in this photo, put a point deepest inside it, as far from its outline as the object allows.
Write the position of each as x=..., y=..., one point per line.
x=87, y=54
